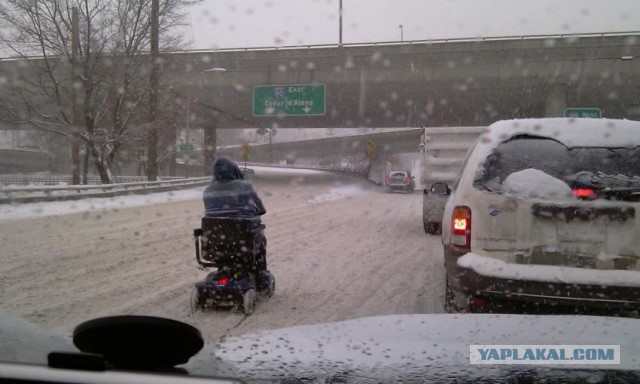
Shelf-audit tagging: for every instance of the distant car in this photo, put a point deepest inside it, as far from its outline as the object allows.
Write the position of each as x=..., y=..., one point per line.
x=399, y=180
x=546, y=211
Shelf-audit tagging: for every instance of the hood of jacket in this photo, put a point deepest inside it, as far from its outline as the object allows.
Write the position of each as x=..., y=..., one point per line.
x=224, y=169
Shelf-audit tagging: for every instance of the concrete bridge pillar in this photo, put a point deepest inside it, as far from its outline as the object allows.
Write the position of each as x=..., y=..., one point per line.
x=556, y=101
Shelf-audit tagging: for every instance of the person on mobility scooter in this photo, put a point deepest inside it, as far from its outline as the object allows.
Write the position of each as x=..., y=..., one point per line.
x=232, y=241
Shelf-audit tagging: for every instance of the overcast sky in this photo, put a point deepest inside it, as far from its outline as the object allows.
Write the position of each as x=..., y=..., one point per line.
x=249, y=23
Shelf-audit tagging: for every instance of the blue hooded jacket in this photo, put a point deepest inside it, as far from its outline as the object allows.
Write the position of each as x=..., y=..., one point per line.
x=229, y=195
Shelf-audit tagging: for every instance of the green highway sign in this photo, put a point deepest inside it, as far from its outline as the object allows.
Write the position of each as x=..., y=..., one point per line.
x=186, y=148
x=593, y=113
x=289, y=100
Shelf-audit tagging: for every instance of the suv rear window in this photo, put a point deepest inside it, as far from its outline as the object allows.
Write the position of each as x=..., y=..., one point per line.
x=398, y=174
x=600, y=168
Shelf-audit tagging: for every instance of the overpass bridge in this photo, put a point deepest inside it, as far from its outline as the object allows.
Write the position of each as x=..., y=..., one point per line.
x=463, y=82
x=459, y=82
x=456, y=82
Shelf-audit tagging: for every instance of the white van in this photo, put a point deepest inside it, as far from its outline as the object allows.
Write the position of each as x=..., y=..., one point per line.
x=546, y=211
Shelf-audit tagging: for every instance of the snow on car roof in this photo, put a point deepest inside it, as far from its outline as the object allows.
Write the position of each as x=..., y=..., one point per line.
x=571, y=132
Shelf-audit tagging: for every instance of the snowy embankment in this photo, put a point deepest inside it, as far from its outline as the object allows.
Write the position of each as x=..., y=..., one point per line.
x=11, y=211
x=87, y=204
x=29, y=194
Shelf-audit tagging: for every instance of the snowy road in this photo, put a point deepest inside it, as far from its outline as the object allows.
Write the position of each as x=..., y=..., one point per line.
x=339, y=247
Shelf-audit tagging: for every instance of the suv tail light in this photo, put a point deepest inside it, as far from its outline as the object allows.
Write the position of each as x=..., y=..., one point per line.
x=585, y=193
x=407, y=181
x=461, y=227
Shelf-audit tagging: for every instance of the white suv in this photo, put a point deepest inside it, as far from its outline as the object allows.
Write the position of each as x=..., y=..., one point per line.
x=546, y=211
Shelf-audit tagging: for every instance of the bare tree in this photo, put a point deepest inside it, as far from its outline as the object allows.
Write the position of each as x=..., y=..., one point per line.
x=111, y=81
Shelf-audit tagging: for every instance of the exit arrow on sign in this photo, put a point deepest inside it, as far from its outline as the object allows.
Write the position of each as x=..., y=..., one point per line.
x=306, y=109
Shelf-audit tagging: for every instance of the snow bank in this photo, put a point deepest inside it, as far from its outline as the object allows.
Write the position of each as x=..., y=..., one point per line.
x=535, y=184
x=551, y=274
x=338, y=193
x=95, y=204
x=283, y=170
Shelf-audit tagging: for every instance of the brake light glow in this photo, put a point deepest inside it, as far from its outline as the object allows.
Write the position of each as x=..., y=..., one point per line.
x=461, y=227
x=222, y=281
x=407, y=181
x=585, y=193
x=460, y=224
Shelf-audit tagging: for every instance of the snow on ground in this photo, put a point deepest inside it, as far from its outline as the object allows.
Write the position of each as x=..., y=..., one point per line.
x=270, y=170
x=13, y=211
x=101, y=204
x=58, y=271
x=338, y=193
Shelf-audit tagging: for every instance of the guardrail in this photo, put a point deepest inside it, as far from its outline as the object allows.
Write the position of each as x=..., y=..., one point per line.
x=33, y=194
x=12, y=195
x=64, y=179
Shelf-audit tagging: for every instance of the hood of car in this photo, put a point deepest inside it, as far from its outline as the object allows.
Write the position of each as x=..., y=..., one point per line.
x=417, y=346
x=382, y=349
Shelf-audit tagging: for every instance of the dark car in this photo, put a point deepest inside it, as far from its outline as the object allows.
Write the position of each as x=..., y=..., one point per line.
x=399, y=180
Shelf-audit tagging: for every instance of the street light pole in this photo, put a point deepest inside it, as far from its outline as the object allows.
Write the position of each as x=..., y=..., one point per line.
x=340, y=33
x=401, y=34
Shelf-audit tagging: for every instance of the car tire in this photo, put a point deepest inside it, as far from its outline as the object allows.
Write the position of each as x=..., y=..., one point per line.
x=454, y=301
x=430, y=228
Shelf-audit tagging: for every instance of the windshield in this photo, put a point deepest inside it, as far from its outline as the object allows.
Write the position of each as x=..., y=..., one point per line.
x=326, y=190
x=605, y=169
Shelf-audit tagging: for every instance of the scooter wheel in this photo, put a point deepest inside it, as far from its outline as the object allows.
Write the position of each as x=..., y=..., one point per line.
x=271, y=289
x=249, y=302
x=195, y=300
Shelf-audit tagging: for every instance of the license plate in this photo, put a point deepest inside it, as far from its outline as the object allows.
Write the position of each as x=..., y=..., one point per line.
x=576, y=232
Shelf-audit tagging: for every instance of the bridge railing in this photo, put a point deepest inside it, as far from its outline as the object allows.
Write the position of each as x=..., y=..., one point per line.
x=415, y=42
x=390, y=43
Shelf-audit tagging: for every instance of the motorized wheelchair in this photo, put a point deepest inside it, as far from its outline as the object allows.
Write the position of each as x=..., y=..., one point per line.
x=232, y=247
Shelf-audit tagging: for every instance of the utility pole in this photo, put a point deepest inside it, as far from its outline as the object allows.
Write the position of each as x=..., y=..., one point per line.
x=401, y=35
x=152, y=148
x=209, y=147
x=76, y=99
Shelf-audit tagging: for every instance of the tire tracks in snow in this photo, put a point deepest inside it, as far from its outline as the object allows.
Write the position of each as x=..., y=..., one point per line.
x=361, y=255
